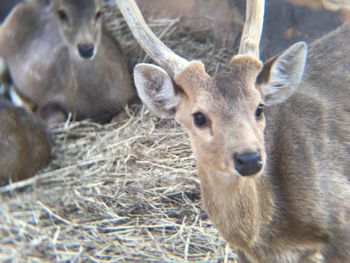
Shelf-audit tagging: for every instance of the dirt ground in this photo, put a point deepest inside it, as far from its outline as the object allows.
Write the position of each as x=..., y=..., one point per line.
x=129, y=191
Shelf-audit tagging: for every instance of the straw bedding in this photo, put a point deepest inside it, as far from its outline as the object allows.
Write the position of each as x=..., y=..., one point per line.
x=119, y=192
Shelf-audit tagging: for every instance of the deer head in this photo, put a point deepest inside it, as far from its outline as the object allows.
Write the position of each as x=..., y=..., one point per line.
x=80, y=25
x=224, y=115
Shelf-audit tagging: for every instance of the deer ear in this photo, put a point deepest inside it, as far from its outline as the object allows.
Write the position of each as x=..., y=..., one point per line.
x=155, y=88
x=281, y=75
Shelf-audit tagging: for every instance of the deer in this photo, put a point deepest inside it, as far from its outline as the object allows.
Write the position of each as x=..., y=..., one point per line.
x=271, y=140
x=209, y=16
x=25, y=143
x=63, y=62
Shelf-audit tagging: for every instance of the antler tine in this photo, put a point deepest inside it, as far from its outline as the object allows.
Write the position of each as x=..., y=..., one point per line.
x=252, y=28
x=157, y=50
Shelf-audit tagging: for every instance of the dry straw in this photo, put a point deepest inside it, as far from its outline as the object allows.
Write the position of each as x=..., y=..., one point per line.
x=120, y=192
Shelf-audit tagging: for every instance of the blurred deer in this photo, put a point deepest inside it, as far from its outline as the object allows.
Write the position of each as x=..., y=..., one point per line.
x=280, y=193
x=204, y=17
x=24, y=144
x=62, y=61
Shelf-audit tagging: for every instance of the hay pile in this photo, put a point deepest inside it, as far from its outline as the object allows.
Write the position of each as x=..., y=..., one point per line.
x=120, y=192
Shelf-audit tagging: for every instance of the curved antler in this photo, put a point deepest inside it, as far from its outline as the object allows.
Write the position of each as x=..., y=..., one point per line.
x=156, y=49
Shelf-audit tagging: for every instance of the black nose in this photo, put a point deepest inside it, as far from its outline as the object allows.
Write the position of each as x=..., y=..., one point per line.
x=86, y=50
x=248, y=163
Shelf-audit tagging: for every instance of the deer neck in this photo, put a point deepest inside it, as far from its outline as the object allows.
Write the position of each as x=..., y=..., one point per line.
x=240, y=207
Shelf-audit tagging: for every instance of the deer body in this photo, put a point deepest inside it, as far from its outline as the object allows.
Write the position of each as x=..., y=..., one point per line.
x=277, y=184
x=297, y=205
x=24, y=144
x=48, y=70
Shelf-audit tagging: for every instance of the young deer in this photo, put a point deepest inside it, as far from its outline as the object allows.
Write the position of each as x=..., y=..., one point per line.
x=61, y=60
x=24, y=144
x=278, y=194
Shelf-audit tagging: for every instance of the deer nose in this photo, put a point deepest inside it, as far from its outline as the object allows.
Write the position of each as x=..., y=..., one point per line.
x=86, y=50
x=248, y=163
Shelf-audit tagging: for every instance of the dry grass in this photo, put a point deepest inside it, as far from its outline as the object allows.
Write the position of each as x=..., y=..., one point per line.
x=118, y=192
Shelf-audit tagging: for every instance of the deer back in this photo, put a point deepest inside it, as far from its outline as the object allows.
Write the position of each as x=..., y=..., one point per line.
x=319, y=110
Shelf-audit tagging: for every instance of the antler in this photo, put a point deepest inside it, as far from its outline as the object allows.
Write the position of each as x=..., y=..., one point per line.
x=252, y=28
x=157, y=50
x=172, y=62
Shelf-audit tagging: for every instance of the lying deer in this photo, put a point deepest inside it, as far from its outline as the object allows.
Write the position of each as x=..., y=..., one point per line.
x=24, y=144
x=62, y=61
x=272, y=141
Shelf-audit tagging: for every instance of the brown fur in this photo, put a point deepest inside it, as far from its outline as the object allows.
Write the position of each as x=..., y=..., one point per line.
x=42, y=57
x=24, y=144
x=296, y=208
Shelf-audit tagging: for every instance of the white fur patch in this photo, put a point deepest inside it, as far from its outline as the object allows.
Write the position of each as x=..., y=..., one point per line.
x=167, y=95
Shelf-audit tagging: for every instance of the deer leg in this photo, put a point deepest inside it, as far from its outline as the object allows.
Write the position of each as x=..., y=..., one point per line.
x=53, y=113
x=18, y=101
x=8, y=90
x=120, y=117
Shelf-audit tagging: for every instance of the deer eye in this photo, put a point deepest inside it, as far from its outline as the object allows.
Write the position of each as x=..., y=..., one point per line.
x=98, y=15
x=199, y=119
x=62, y=15
x=259, y=111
